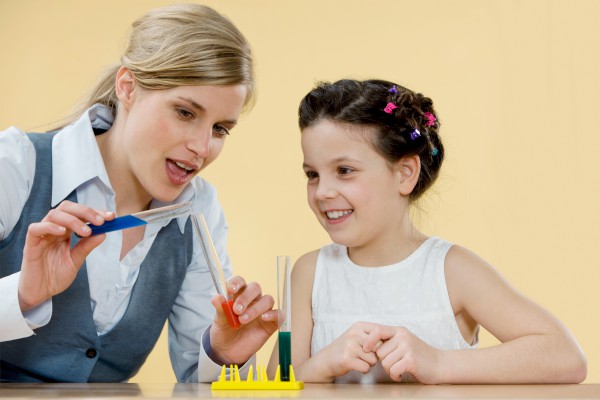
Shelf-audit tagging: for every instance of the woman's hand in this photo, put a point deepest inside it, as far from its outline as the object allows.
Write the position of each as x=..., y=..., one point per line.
x=257, y=318
x=49, y=264
x=400, y=351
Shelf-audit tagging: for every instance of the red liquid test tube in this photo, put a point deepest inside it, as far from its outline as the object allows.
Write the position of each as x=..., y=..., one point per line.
x=232, y=318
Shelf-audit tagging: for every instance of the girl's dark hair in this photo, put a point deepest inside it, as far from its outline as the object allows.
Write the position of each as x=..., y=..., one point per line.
x=364, y=103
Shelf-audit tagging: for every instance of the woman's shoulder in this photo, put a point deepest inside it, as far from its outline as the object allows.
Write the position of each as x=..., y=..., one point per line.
x=14, y=136
x=17, y=153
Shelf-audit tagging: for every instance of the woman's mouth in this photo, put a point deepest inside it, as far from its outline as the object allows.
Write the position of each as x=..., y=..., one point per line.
x=179, y=173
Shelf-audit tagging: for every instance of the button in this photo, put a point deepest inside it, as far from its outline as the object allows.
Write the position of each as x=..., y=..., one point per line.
x=91, y=352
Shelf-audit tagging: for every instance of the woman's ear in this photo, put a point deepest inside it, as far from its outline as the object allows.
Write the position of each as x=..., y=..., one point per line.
x=124, y=86
x=408, y=170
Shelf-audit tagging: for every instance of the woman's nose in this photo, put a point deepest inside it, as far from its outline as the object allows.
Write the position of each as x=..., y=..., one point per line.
x=199, y=142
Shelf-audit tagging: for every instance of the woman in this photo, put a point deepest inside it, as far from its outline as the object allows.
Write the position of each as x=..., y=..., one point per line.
x=151, y=125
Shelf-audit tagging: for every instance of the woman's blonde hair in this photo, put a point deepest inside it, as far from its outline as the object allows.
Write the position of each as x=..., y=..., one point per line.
x=180, y=45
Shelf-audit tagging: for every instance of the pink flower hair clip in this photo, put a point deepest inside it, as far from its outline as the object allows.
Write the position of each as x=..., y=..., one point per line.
x=390, y=108
x=430, y=119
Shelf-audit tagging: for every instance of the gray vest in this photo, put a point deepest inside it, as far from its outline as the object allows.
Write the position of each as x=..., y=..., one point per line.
x=68, y=348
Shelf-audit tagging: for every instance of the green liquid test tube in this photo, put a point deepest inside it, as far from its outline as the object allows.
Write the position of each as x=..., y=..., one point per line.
x=285, y=355
x=284, y=304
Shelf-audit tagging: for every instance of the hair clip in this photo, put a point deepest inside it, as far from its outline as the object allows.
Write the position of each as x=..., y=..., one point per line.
x=430, y=119
x=434, y=152
x=390, y=107
x=393, y=90
x=415, y=134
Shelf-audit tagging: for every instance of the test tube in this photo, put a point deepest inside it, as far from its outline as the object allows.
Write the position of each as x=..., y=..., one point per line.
x=143, y=218
x=216, y=271
x=284, y=304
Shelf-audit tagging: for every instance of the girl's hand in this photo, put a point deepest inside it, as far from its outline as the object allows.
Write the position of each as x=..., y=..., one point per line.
x=344, y=354
x=49, y=264
x=257, y=318
x=400, y=351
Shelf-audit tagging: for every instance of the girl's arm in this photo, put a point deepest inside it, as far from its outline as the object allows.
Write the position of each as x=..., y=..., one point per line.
x=536, y=347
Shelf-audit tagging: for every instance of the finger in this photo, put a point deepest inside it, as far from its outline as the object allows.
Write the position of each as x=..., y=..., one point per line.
x=69, y=221
x=376, y=336
x=397, y=370
x=85, y=213
x=220, y=318
x=245, y=296
x=256, y=309
x=76, y=217
x=393, y=357
x=385, y=349
x=272, y=316
x=235, y=284
x=370, y=358
x=38, y=230
x=359, y=365
x=84, y=247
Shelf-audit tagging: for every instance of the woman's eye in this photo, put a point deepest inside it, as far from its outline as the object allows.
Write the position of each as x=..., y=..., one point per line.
x=221, y=130
x=185, y=114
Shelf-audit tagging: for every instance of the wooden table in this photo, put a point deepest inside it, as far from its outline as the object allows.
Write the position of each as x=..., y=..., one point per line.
x=115, y=391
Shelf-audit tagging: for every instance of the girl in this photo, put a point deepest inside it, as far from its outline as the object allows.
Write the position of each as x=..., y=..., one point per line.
x=386, y=302
x=97, y=305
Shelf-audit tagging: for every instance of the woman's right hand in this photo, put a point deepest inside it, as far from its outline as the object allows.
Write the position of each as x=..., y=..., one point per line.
x=343, y=355
x=49, y=264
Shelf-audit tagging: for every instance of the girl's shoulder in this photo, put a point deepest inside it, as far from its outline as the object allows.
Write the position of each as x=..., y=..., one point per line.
x=305, y=267
x=469, y=276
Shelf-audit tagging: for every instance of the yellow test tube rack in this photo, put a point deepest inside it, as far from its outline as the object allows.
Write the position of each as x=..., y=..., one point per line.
x=262, y=382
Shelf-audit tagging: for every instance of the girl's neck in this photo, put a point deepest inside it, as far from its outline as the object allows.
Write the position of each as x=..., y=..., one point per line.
x=396, y=247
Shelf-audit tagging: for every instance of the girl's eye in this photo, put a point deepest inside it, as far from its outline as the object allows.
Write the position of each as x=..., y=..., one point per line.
x=345, y=170
x=221, y=130
x=185, y=114
x=311, y=175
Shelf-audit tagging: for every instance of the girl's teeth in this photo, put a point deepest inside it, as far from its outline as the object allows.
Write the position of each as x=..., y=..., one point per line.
x=337, y=214
x=183, y=166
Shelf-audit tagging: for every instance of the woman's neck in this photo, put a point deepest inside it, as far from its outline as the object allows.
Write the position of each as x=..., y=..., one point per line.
x=130, y=196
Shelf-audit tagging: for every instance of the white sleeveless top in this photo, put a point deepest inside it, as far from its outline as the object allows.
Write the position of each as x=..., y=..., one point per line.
x=411, y=293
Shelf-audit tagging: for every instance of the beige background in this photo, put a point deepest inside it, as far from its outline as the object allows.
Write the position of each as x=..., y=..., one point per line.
x=515, y=84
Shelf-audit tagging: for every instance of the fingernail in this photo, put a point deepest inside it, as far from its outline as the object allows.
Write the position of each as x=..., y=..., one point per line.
x=109, y=213
x=239, y=307
x=62, y=228
x=244, y=317
x=264, y=316
x=85, y=228
x=99, y=218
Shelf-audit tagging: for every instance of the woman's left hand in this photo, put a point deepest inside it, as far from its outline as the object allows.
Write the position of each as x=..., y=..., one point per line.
x=257, y=318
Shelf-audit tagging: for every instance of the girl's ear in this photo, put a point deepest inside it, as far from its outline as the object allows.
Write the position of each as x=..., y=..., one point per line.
x=408, y=170
x=125, y=86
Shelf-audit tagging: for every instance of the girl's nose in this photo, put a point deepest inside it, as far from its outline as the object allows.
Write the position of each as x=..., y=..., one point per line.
x=325, y=190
